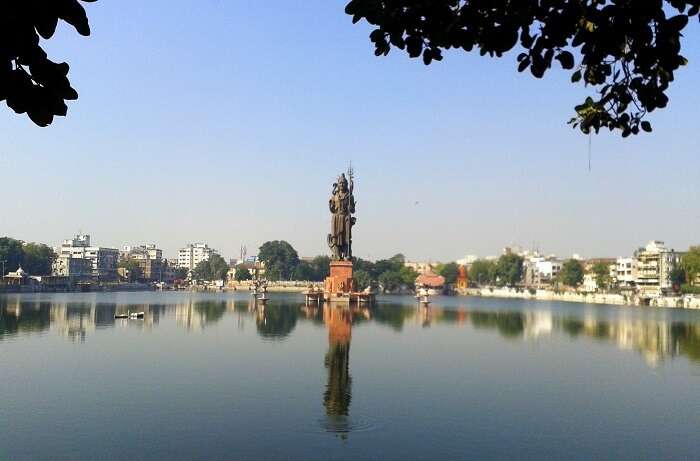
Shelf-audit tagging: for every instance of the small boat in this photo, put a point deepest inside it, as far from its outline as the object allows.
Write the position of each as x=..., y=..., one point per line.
x=136, y=315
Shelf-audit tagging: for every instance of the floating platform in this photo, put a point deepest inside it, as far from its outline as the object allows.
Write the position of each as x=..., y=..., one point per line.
x=354, y=298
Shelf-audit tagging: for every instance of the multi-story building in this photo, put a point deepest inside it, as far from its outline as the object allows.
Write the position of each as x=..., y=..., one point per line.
x=149, y=259
x=103, y=260
x=625, y=272
x=67, y=266
x=655, y=263
x=148, y=251
x=193, y=254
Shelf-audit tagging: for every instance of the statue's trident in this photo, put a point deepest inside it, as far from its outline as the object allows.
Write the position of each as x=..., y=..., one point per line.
x=351, y=176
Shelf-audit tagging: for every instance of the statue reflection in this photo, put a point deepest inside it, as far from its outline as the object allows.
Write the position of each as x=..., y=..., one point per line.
x=336, y=398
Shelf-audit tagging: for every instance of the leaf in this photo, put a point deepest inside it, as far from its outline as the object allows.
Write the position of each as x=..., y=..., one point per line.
x=646, y=126
x=576, y=76
x=566, y=59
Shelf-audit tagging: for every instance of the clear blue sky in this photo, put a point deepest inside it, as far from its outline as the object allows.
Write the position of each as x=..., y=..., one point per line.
x=227, y=121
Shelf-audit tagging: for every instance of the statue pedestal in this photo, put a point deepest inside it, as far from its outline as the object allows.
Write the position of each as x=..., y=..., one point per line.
x=339, y=283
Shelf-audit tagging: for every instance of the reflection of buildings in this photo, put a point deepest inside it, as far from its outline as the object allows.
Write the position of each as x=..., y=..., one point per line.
x=187, y=317
x=195, y=315
x=538, y=323
x=336, y=398
x=74, y=322
x=656, y=340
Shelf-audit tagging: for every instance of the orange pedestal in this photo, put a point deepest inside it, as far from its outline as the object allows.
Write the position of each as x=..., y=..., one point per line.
x=339, y=282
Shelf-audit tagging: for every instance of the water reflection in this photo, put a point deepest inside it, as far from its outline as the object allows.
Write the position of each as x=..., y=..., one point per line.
x=657, y=335
x=338, y=393
x=275, y=320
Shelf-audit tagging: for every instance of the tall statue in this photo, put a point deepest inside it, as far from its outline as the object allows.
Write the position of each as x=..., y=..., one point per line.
x=342, y=206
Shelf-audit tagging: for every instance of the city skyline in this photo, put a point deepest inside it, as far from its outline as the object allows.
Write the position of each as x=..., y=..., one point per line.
x=240, y=150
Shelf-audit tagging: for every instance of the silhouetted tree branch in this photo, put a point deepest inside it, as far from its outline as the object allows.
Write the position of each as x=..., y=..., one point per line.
x=627, y=49
x=29, y=81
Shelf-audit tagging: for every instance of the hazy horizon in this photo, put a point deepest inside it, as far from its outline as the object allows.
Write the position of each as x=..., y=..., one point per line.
x=227, y=123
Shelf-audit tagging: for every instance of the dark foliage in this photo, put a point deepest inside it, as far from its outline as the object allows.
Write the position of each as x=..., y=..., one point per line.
x=29, y=81
x=627, y=49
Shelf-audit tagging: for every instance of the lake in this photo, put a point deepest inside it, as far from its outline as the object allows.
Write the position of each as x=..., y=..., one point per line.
x=210, y=376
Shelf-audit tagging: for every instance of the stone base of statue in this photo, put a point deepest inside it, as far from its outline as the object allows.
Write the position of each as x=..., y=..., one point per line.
x=338, y=285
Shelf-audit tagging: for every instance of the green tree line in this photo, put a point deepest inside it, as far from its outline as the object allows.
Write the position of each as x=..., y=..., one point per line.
x=35, y=258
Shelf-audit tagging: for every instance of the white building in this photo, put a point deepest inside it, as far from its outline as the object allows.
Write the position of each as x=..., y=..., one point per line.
x=547, y=269
x=654, y=265
x=420, y=267
x=625, y=272
x=193, y=254
x=590, y=282
x=467, y=260
x=104, y=260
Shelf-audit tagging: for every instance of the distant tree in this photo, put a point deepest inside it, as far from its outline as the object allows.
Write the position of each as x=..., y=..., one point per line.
x=408, y=276
x=29, y=81
x=678, y=276
x=398, y=258
x=390, y=280
x=280, y=259
x=242, y=273
x=369, y=267
x=180, y=273
x=509, y=269
x=304, y=271
x=214, y=268
x=602, y=275
x=571, y=273
x=628, y=50
x=691, y=264
x=134, y=272
x=11, y=252
x=450, y=271
x=482, y=271
x=362, y=279
x=322, y=267
x=37, y=258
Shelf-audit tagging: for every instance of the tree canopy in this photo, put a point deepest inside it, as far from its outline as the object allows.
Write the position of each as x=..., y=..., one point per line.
x=450, y=271
x=691, y=264
x=29, y=81
x=11, y=253
x=280, y=258
x=35, y=258
x=602, y=275
x=482, y=271
x=315, y=270
x=571, y=273
x=509, y=269
x=628, y=50
x=214, y=268
x=242, y=273
x=38, y=258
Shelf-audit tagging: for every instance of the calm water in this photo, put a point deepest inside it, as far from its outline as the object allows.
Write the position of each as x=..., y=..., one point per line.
x=206, y=376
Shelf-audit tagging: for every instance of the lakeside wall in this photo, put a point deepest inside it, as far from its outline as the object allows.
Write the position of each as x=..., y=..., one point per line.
x=281, y=286
x=684, y=302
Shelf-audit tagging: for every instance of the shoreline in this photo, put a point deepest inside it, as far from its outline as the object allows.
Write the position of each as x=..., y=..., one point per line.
x=677, y=302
